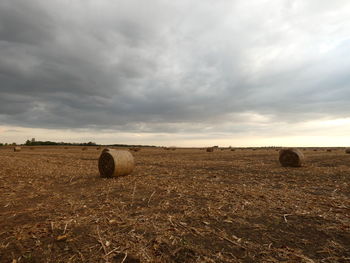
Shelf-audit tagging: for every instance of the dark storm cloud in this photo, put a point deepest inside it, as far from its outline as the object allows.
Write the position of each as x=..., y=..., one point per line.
x=165, y=66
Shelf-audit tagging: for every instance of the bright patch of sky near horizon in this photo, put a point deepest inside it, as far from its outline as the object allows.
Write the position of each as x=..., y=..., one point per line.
x=184, y=73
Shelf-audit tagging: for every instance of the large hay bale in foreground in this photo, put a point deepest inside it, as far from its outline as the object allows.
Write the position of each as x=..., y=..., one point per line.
x=291, y=157
x=347, y=150
x=114, y=163
x=17, y=149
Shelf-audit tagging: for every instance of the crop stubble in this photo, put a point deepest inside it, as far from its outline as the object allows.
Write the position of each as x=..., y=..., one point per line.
x=177, y=206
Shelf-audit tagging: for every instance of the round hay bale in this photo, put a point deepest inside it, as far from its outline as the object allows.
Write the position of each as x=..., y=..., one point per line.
x=210, y=149
x=84, y=149
x=113, y=163
x=17, y=149
x=291, y=157
x=329, y=150
x=108, y=149
x=232, y=150
x=347, y=150
x=135, y=149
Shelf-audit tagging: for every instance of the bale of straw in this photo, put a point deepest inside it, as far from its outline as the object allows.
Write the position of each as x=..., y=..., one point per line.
x=347, y=150
x=329, y=150
x=291, y=157
x=113, y=163
x=135, y=149
x=232, y=150
x=210, y=149
x=108, y=149
x=17, y=149
x=84, y=149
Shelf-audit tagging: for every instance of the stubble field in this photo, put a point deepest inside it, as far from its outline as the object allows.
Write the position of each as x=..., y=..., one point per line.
x=185, y=205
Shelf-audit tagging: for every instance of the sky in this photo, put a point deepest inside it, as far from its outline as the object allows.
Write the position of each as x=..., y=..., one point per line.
x=176, y=73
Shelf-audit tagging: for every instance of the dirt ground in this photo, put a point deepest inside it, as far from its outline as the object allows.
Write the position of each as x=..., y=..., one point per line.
x=186, y=205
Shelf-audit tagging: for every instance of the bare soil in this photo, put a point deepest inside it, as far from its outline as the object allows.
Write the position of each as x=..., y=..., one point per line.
x=185, y=205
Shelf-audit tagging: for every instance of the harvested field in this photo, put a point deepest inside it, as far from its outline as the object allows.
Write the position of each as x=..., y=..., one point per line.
x=176, y=206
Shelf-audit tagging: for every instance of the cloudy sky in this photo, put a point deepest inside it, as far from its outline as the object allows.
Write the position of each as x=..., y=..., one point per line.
x=184, y=73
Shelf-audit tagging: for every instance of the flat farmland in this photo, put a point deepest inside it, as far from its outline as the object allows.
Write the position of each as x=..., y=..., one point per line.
x=186, y=205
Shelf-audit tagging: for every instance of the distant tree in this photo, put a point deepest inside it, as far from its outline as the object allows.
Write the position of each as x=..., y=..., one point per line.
x=28, y=142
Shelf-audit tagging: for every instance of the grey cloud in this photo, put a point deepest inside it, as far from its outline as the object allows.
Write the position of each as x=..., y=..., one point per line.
x=170, y=67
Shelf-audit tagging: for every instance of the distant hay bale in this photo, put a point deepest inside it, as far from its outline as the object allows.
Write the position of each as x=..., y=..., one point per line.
x=135, y=149
x=84, y=149
x=347, y=150
x=210, y=149
x=232, y=150
x=329, y=150
x=114, y=163
x=98, y=148
x=17, y=149
x=107, y=150
x=291, y=157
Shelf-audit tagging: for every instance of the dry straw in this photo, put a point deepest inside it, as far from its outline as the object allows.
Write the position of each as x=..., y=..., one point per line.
x=347, y=150
x=17, y=149
x=114, y=163
x=291, y=157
